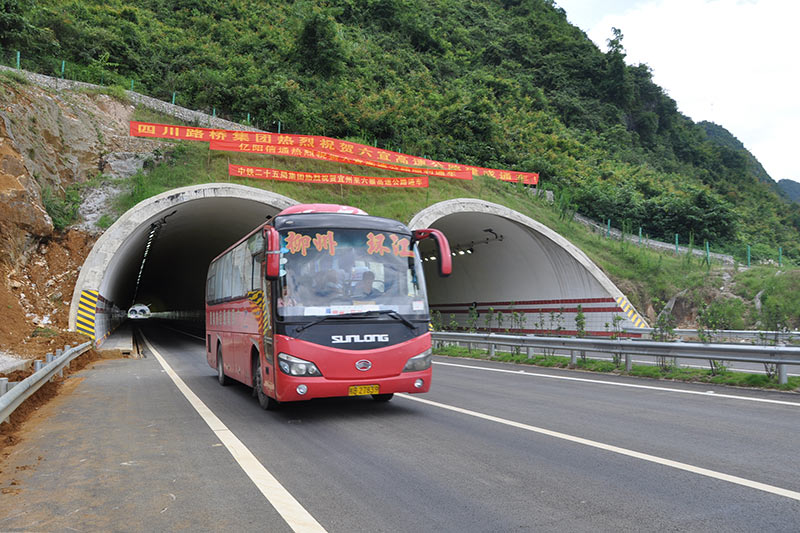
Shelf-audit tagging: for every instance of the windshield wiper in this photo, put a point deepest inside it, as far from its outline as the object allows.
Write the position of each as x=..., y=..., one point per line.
x=394, y=314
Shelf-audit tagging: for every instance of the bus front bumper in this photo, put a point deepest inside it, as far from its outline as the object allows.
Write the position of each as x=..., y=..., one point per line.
x=291, y=388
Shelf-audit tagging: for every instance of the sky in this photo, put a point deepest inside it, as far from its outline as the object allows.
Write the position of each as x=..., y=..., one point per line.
x=732, y=62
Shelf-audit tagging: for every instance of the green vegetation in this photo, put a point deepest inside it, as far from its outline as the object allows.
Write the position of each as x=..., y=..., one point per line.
x=508, y=84
x=13, y=77
x=115, y=91
x=62, y=210
x=719, y=377
x=780, y=302
x=44, y=332
x=105, y=221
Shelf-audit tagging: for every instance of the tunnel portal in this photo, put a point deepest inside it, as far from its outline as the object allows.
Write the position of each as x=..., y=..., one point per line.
x=511, y=273
x=158, y=252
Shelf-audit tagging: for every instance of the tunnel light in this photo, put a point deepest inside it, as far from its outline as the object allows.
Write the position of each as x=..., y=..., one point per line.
x=461, y=252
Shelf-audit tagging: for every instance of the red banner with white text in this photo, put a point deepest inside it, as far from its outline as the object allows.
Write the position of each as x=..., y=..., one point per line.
x=242, y=171
x=273, y=149
x=326, y=145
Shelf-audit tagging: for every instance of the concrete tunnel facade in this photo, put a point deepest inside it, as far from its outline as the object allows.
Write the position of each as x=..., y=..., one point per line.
x=504, y=262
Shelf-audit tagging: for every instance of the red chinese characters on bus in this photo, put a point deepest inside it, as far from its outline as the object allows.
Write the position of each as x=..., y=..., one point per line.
x=325, y=242
x=375, y=244
x=400, y=247
x=296, y=242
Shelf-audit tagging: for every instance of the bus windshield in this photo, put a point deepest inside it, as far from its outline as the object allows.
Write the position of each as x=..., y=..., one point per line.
x=343, y=271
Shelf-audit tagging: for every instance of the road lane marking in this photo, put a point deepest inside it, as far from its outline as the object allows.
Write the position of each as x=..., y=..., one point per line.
x=616, y=449
x=616, y=384
x=287, y=506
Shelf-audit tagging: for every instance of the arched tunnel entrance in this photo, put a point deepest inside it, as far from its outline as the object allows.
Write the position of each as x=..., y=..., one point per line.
x=518, y=275
x=158, y=254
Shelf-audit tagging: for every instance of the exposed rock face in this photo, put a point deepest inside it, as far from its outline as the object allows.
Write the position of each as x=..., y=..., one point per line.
x=23, y=219
x=53, y=139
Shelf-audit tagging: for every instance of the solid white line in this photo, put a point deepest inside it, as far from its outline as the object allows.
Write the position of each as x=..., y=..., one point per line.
x=289, y=508
x=616, y=384
x=616, y=449
x=651, y=363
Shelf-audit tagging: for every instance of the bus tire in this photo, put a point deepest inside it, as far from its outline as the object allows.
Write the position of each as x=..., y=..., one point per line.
x=221, y=377
x=382, y=397
x=267, y=403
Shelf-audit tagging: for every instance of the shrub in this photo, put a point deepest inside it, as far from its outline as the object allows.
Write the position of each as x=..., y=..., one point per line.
x=63, y=211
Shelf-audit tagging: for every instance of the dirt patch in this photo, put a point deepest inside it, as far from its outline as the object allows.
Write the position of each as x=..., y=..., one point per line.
x=35, y=297
x=11, y=431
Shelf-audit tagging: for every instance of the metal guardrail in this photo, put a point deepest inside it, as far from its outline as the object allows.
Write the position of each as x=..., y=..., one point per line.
x=12, y=396
x=743, y=334
x=750, y=353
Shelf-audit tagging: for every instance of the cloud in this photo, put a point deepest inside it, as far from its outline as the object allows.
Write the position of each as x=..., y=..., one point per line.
x=732, y=62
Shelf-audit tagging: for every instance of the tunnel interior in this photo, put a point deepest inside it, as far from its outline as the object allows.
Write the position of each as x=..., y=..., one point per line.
x=185, y=238
x=511, y=277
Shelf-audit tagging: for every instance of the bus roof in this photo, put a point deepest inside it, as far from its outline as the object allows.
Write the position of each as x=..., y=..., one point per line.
x=321, y=208
x=334, y=220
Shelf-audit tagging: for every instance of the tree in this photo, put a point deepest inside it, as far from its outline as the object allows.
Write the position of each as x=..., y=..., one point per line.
x=617, y=83
x=13, y=24
x=319, y=47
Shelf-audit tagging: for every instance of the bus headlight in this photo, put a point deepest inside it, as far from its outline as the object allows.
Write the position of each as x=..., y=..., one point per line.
x=294, y=366
x=419, y=362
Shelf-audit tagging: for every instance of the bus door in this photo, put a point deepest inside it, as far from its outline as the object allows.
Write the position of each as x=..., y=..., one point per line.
x=267, y=331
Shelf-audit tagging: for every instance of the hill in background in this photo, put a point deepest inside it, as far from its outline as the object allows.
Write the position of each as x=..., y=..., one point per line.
x=791, y=189
x=507, y=84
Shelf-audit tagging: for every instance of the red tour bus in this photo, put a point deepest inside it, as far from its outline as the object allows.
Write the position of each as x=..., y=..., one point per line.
x=322, y=301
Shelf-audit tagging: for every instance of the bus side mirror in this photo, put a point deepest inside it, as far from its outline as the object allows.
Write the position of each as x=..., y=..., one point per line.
x=273, y=260
x=444, y=259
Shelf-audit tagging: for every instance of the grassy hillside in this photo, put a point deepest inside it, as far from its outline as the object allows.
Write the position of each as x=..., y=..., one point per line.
x=507, y=84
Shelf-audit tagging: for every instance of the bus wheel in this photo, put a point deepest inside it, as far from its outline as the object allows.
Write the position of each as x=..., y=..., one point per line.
x=264, y=401
x=221, y=377
x=382, y=397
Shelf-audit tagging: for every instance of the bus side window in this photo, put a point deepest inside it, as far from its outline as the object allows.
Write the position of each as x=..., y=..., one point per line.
x=212, y=283
x=239, y=271
x=225, y=279
x=255, y=271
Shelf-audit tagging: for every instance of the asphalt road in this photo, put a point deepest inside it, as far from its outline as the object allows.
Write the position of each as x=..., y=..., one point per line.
x=492, y=447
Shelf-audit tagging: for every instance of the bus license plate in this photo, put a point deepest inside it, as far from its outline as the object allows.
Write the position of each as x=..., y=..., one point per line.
x=362, y=390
